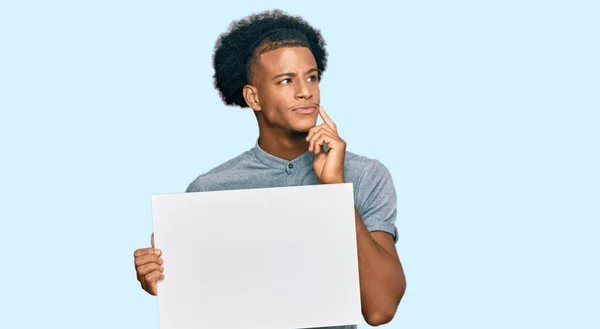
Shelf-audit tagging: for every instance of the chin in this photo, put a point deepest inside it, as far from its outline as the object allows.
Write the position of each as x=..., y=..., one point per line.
x=299, y=134
x=304, y=125
x=301, y=130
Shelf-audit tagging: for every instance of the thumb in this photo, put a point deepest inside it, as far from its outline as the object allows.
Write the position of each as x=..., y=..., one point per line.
x=152, y=239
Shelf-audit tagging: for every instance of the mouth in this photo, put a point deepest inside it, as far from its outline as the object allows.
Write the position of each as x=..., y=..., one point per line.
x=305, y=109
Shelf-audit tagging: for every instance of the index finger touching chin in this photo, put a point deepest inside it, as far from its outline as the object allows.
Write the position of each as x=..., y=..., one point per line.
x=326, y=118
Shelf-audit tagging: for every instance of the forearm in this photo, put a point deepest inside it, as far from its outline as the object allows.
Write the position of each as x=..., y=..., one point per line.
x=382, y=281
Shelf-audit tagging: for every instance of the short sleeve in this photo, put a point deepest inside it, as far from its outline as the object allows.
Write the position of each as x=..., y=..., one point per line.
x=193, y=187
x=376, y=199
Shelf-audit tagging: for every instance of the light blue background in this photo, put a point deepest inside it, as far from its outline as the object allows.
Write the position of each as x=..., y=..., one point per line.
x=485, y=112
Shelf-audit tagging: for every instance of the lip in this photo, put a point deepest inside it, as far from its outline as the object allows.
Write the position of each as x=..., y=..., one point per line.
x=305, y=109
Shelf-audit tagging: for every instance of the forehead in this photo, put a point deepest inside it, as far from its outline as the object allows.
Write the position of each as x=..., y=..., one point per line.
x=287, y=59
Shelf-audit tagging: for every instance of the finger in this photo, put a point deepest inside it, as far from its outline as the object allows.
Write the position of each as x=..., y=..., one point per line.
x=147, y=251
x=143, y=270
x=311, y=143
x=147, y=259
x=314, y=130
x=324, y=138
x=327, y=119
x=318, y=128
x=151, y=280
x=142, y=277
x=316, y=150
x=152, y=239
x=320, y=138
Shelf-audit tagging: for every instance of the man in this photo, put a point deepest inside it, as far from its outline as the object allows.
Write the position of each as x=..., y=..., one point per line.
x=272, y=63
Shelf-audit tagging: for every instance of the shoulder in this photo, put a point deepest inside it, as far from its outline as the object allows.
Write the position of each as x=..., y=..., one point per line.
x=370, y=177
x=375, y=194
x=216, y=176
x=363, y=168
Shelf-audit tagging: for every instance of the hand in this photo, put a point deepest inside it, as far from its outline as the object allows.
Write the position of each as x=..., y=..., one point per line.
x=148, y=265
x=328, y=166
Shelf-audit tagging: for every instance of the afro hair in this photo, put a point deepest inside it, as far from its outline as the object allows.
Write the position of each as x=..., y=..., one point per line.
x=237, y=50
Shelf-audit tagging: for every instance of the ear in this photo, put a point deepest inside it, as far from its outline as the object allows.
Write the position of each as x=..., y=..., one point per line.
x=251, y=96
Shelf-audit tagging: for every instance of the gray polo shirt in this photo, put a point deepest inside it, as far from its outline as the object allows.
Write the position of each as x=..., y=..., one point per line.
x=374, y=192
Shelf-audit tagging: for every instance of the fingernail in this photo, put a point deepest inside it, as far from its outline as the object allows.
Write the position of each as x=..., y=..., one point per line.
x=157, y=252
x=162, y=268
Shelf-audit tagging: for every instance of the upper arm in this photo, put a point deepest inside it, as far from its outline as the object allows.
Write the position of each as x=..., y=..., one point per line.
x=376, y=201
x=386, y=241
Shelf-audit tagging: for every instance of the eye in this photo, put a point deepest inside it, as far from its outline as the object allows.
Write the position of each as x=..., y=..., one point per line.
x=312, y=78
x=285, y=81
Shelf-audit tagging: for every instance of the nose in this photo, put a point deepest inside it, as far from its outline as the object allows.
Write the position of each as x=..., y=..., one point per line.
x=303, y=90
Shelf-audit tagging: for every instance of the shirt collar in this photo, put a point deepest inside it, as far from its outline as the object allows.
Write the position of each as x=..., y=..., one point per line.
x=301, y=162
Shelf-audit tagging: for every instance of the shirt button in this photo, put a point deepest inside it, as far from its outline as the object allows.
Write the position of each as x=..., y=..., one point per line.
x=290, y=166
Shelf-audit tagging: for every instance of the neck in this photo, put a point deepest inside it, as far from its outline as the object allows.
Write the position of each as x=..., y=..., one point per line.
x=285, y=145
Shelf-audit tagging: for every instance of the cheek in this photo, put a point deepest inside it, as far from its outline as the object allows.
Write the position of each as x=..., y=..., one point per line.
x=268, y=100
x=280, y=99
x=275, y=104
x=315, y=88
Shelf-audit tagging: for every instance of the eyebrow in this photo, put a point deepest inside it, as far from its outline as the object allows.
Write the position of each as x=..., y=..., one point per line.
x=293, y=74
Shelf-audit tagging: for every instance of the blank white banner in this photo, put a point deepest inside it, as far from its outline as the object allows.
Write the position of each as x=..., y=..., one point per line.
x=271, y=258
